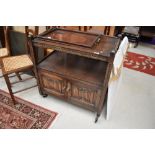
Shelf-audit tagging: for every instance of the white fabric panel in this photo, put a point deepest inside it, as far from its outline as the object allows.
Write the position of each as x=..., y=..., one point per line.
x=114, y=85
x=124, y=46
x=117, y=62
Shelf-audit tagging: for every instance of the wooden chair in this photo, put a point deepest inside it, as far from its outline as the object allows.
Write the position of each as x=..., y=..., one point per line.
x=84, y=28
x=133, y=34
x=49, y=27
x=4, y=52
x=49, y=50
x=16, y=64
x=99, y=29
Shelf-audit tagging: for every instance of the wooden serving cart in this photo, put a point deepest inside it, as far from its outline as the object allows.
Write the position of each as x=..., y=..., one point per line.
x=78, y=70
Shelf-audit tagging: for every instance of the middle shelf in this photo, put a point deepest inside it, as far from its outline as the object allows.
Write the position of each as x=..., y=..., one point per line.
x=76, y=67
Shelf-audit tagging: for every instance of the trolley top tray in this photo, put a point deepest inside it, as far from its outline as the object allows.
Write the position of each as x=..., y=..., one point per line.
x=71, y=37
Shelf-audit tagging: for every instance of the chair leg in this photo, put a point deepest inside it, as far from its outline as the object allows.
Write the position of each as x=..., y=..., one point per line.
x=136, y=44
x=19, y=77
x=9, y=87
x=1, y=74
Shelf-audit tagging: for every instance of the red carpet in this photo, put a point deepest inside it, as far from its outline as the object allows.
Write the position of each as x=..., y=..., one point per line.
x=140, y=63
x=24, y=115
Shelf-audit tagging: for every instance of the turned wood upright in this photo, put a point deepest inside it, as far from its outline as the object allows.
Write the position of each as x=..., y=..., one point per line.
x=78, y=70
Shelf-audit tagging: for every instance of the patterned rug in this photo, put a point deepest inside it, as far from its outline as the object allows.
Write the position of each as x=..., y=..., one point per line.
x=140, y=63
x=24, y=115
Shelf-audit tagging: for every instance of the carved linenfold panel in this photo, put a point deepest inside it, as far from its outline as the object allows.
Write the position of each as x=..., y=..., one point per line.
x=56, y=85
x=84, y=95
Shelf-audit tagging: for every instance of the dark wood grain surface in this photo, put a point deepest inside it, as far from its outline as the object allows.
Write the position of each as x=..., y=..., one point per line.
x=103, y=47
x=76, y=73
x=80, y=68
x=71, y=37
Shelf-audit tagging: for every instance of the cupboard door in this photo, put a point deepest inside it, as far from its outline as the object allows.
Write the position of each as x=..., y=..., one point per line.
x=87, y=96
x=53, y=84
